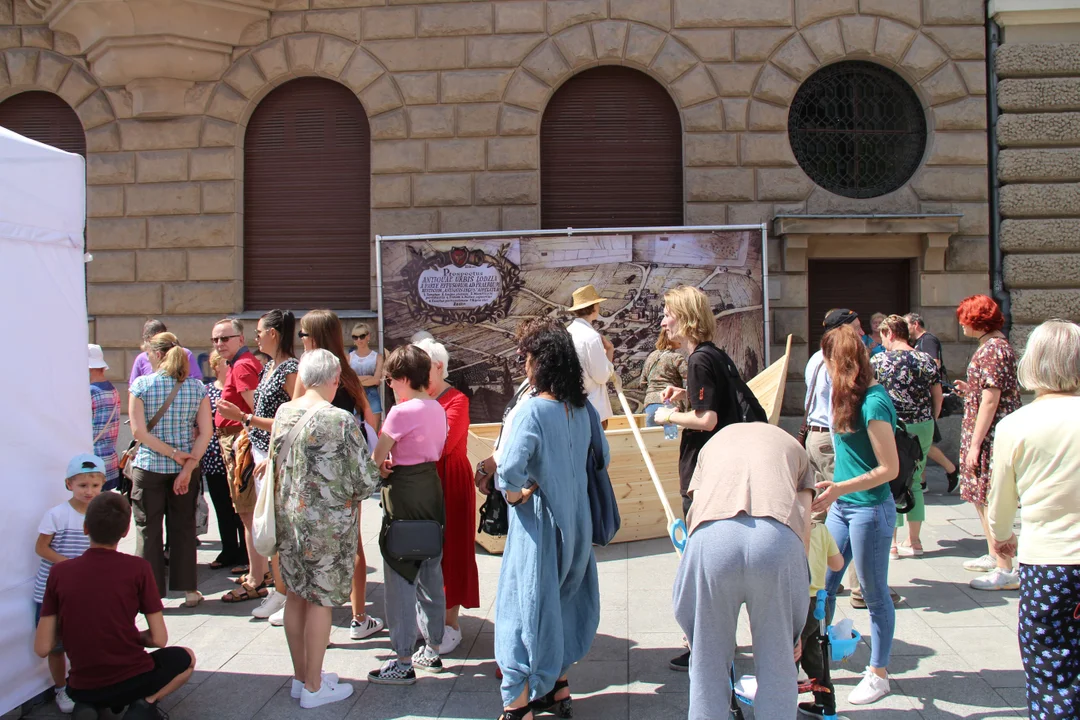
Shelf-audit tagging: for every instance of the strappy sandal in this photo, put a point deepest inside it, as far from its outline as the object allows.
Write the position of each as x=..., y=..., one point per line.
x=562, y=708
x=239, y=569
x=245, y=592
x=516, y=713
x=268, y=578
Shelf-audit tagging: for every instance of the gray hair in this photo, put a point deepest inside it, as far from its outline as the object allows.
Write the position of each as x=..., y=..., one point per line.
x=151, y=328
x=319, y=368
x=420, y=335
x=916, y=318
x=1051, y=362
x=234, y=323
x=437, y=352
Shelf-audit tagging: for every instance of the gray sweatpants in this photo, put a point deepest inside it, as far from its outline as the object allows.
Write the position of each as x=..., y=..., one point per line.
x=407, y=603
x=758, y=562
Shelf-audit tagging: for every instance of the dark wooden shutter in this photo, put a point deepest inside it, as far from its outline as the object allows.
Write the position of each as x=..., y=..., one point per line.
x=611, y=153
x=307, y=184
x=46, y=118
x=865, y=286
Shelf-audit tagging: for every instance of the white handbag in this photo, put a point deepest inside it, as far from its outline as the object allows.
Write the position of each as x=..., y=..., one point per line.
x=264, y=526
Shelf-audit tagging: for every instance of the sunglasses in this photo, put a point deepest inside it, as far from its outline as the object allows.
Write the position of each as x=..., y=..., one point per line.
x=359, y=337
x=223, y=338
x=303, y=334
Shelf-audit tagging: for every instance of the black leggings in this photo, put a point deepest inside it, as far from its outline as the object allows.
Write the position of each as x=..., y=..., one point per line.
x=1049, y=632
x=233, y=545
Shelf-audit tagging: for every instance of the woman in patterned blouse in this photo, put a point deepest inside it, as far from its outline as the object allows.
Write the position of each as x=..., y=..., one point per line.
x=664, y=366
x=233, y=546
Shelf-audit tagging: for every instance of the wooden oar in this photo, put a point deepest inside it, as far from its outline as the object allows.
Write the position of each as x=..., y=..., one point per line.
x=675, y=524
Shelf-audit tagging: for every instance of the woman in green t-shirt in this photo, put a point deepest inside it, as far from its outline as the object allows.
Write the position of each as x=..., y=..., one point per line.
x=863, y=514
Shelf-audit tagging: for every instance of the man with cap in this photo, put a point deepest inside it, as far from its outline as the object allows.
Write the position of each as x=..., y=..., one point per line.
x=105, y=415
x=595, y=352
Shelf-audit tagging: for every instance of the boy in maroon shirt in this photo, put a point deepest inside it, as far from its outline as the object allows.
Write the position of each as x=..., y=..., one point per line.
x=91, y=603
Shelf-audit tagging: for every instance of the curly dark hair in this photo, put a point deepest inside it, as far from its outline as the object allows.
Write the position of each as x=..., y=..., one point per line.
x=556, y=368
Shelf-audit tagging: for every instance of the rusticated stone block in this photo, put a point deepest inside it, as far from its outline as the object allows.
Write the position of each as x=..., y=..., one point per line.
x=522, y=217
x=77, y=86
x=162, y=199
x=673, y=60
x=975, y=217
x=120, y=332
x=390, y=191
x=105, y=201
x=469, y=86
x=893, y=40
x=389, y=126
x=111, y=267
x=961, y=43
x=160, y=134
x=576, y=46
x=414, y=221
x=518, y=121
x=790, y=185
x=7, y=13
x=710, y=149
x=944, y=85
x=564, y=13
x=286, y=23
x=51, y=71
x=95, y=110
x=708, y=117
x=22, y=65
x=303, y=52
x=609, y=39
x=359, y=73
x=468, y=219
x=201, y=297
x=825, y=40
x=389, y=23
x=1042, y=271
x=764, y=116
x=422, y=54
x=185, y=231
x=732, y=13
x=547, y=63
x=968, y=254
x=1042, y=165
x=479, y=120
x=1037, y=305
x=397, y=156
x=219, y=197
x=442, y=189
x=735, y=112
x=500, y=50
x=757, y=44
x=955, y=148
x=526, y=91
x=1037, y=60
x=333, y=54
x=513, y=153
x=906, y=11
x=775, y=86
x=974, y=74
x=706, y=214
x=948, y=289
x=923, y=56
x=652, y=12
x=1039, y=129
x=245, y=77
x=464, y=154
x=958, y=183
x=694, y=87
x=507, y=188
x=1058, y=235
x=218, y=133
x=1039, y=94
x=719, y=185
x=954, y=12
x=795, y=58
x=432, y=121
x=519, y=17
x=419, y=88
x=1052, y=200
x=643, y=44
x=966, y=114
x=123, y=299
x=462, y=19
x=161, y=265
x=771, y=149
x=380, y=96
x=808, y=12
x=211, y=264
x=110, y=168
x=709, y=45
x=859, y=34
x=115, y=234
x=271, y=59
x=344, y=23
x=213, y=164
x=161, y=166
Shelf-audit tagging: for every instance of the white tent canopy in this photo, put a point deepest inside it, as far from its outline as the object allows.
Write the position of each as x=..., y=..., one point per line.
x=47, y=401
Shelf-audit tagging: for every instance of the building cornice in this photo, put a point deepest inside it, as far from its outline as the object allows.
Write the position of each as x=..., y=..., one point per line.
x=1034, y=12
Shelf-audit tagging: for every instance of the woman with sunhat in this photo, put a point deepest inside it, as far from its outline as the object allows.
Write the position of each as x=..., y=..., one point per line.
x=594, y=351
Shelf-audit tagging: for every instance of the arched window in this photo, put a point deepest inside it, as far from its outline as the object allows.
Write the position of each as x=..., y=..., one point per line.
x=307, y=199
x=611, y=153
x=46, y=118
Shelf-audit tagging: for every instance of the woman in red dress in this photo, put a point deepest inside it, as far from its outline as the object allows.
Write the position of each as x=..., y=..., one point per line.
x=461, y=580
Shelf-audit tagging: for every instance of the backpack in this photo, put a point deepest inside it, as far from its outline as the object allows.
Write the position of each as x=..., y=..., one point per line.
x=910, y=453
x=746, y=403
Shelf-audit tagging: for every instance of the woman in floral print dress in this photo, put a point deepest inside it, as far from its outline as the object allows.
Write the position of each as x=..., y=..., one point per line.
x=319, y=487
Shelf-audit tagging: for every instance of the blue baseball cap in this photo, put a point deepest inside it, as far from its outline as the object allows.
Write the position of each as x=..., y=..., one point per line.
x=85, y=463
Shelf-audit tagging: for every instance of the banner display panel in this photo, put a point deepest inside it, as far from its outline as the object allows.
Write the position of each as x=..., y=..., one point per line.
x=472, y=294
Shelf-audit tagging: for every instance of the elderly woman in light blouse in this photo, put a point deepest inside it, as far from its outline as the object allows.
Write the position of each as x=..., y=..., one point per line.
x=1037, y=462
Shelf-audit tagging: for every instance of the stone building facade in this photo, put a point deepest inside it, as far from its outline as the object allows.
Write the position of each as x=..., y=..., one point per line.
x=454, y=94
x=1038, y=132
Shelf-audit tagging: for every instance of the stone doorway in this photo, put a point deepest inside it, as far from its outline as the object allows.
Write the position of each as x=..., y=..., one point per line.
x=865, y=286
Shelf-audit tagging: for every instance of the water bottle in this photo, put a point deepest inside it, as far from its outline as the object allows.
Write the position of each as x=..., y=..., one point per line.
x=671, y=430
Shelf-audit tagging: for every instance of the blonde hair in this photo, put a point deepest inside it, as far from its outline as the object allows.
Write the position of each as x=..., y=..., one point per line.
x=1051, y=361
x=691, y=309
x=664, y=341
x=360, y=328
x=215, y=360
x=174, y=361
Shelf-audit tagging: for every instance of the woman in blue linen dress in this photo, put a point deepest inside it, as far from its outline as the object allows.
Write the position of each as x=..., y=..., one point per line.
x=548, y=605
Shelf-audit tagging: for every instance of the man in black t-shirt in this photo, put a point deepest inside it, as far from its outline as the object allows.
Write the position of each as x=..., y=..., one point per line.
x=927, y=342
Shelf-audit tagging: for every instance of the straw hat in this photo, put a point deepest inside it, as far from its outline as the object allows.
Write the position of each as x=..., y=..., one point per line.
x=584, y=297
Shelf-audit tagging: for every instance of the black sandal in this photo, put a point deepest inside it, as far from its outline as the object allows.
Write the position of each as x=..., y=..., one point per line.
x=562, y=708
x=516, y=713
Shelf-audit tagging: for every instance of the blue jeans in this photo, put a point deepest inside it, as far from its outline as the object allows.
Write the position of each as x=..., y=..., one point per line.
x=650, y=414
x=864, y=534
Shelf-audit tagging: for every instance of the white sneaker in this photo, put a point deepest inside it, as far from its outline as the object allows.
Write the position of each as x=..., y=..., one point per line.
x=278, y=618
x=450, y=640
x=997, y=579
x=328, y=693
x=360, y=630
x=297, y=686
x=66, y=704
x=869, y=690
x=981, y=565
x=270, y=604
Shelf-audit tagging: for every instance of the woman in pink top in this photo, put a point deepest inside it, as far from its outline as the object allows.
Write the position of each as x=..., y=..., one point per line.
x=412, y=440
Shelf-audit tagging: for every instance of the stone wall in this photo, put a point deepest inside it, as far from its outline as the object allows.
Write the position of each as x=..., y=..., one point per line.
x=1039, y=170
x=455, y=92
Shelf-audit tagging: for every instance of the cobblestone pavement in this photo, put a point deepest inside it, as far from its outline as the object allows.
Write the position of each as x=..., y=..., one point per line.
x=955, y=653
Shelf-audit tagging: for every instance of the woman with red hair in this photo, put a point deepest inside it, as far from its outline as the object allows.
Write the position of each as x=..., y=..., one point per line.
x=990, y=393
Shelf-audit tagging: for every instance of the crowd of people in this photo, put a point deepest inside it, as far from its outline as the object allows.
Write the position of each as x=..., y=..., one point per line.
x=291, y=444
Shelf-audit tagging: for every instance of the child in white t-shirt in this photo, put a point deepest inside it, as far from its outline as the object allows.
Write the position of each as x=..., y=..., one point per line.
x=61, y=537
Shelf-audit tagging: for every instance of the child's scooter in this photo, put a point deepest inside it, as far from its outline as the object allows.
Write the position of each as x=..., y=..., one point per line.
x=832, y=650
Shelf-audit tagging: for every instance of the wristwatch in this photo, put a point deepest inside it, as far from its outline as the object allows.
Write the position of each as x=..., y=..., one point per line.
x=247, y=420
x=480, y=469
